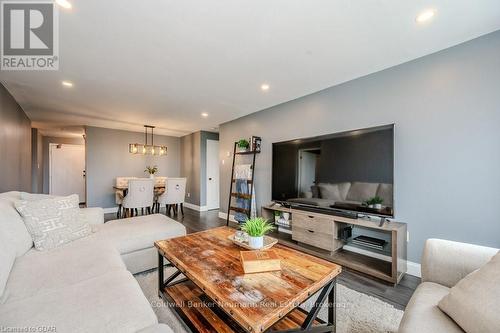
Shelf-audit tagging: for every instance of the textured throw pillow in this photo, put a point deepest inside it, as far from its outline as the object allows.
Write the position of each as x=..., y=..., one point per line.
x=362, y=191
x=474, y=302
x=329, y=191
x=53, y=222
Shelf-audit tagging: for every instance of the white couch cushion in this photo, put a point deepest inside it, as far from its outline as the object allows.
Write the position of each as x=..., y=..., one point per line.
x=12, y=225
x=112, y=302
x=330, y=192
x=362, y=191
x=474, y=301
x=38, y=272
x=137, y=233
x=7, y=258
x=422, y=314
x=385, y=192
x=53, y=222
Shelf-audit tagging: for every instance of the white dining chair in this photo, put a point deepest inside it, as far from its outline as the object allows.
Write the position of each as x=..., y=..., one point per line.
x=119, y=194
x=160, y=182
x=139, y=195
x=175, y=192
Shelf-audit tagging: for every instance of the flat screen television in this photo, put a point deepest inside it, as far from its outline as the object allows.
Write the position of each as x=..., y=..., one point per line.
x=342, y=172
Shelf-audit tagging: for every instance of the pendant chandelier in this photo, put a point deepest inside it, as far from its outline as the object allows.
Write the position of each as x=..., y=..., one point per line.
x=147, y=149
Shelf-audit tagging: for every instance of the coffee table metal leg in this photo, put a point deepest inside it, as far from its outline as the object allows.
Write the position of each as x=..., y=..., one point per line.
x=328, y=293
x=332, y=306
x=160, y=274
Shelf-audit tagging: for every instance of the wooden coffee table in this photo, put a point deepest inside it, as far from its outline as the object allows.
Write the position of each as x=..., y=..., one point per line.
x=216, y=296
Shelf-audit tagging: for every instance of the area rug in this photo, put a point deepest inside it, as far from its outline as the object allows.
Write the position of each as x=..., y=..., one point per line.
x=356, y=312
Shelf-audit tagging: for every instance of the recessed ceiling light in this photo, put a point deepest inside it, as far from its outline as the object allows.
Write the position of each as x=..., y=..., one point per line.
x=67, y=84
x=264, y=87
x=64, y=4
x=425, y=16
x=204, y=114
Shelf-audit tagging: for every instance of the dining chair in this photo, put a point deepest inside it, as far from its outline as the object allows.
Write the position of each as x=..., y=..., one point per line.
x=139, y=195
x=119, y=194
x=159, y=190
x=175, y=192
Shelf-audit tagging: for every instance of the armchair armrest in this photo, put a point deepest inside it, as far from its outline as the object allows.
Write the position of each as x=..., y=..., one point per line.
x=95, y=215
x=446, y=262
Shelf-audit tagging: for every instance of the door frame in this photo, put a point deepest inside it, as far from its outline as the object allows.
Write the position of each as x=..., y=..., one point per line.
x=206, y=176
x=54, y=144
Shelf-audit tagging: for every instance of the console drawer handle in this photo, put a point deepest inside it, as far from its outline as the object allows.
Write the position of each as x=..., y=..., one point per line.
x=310, y=216
x=310, y=231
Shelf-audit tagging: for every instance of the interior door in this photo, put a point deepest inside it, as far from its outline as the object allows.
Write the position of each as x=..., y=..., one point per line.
x=67, y=170
x=212, y=174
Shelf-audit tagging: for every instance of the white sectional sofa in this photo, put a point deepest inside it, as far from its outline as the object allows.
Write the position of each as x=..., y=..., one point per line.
x=86, y=285
x=444, y=264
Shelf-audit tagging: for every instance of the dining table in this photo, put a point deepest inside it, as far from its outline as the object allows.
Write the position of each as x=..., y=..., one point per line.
x=158, y=189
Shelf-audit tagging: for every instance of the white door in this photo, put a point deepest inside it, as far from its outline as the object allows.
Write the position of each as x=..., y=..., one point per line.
x=307, y=171
x=67, y=170
x=212, y=174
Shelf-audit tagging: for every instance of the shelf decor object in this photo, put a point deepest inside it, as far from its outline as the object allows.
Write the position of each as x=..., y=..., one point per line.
x=269, y=242
x=147, y=149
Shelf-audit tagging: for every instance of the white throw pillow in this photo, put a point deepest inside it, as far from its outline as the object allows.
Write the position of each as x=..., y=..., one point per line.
x=474, y=302
x=53, y=222
x=330, y=192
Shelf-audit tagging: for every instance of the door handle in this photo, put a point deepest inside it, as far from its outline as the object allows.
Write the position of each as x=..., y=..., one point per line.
x=209, y=178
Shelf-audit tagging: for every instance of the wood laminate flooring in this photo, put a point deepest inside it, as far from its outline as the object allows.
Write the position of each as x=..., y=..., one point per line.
x=398, y=295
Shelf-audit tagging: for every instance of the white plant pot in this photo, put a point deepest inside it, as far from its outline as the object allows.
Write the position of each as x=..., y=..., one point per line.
x=242, y=150
x=277, y=218
x=256, y=242
x=151, y=176
x=377, y=206
x=286, y=216
x=370, y=206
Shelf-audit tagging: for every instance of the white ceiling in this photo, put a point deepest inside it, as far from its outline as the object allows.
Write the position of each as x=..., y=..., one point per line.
x=164, y=62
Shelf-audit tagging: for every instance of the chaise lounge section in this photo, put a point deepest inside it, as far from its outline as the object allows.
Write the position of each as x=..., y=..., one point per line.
x=86, y=285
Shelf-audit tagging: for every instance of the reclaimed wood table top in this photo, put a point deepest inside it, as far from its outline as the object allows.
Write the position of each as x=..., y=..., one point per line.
x=256, y=301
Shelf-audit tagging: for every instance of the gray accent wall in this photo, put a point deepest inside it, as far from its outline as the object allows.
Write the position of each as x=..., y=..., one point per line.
x=446, y=111
x=36, y=161
x=194, y=165
x=107, y=157
x=15, y=145
x=190, y=166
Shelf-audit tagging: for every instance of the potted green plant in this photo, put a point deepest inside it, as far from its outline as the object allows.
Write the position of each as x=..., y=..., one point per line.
x=243, y=145
x=151, y=170
x=256, y=228
x=375, y=202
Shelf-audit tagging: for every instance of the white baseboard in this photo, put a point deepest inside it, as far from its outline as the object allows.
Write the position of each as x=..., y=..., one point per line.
x=195, y=207
x=412, y=268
